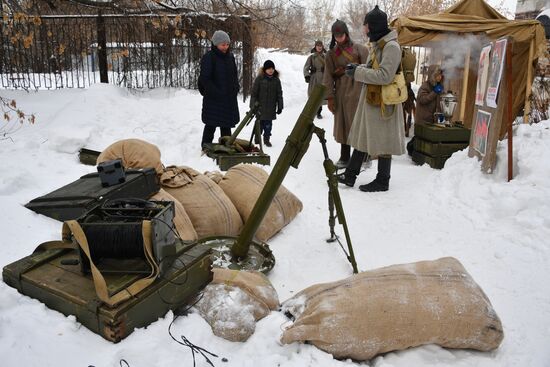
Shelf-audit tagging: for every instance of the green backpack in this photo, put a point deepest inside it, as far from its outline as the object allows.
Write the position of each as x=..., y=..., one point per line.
x=408, y=61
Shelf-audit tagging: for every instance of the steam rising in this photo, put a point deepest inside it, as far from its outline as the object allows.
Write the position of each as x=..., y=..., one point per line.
x=453, y=49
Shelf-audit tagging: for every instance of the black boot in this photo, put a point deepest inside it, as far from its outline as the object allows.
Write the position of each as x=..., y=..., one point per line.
x=345, y=151
x=267, y=142
x=382, y=180
x=352, y=170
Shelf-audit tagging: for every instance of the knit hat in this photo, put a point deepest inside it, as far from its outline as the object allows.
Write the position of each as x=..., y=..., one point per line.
x=318, y=43
x=268, y=64
x=220, y=37
x=338, y=28
x=378, y=24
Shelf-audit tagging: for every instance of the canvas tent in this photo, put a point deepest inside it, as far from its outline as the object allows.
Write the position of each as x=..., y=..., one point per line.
x=478, y=18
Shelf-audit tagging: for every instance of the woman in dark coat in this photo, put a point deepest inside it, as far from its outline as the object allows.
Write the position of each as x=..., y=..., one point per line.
x=219, y=84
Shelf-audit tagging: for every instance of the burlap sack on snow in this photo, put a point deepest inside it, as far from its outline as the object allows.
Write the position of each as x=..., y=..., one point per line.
x=210, y=210
x=234, y=301
x=182, y=222
x=134, y=153
x=394, y=308
x=243, y=184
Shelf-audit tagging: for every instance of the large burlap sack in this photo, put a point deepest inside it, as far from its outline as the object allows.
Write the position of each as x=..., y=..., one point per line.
x=134, y=153
x=234, y=301
x=210, y=210
x=244, y=183
x=182, y=222
x=394, y=308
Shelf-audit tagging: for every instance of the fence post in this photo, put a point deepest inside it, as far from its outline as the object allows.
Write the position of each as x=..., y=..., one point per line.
x=102, y=49
x=248, y=57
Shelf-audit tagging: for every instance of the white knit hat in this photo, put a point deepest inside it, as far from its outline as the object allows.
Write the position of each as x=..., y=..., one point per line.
x=220, y=37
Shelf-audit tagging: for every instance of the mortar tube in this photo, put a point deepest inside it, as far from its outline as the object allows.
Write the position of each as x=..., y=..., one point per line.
x=290, y=155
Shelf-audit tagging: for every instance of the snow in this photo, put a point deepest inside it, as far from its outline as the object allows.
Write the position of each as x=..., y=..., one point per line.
x=498, y=230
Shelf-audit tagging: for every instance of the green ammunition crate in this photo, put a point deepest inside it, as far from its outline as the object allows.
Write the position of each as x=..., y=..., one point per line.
x=434, y=162
x=73, y=200
x=88, y=156
x=225, y=162
x=54, y=278
x=437, y=149
x=441, y=134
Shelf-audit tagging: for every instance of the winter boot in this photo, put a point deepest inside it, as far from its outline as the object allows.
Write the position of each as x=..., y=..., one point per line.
x=352, y=170
x=382, y=180
x=267, y=143
x=345, y=151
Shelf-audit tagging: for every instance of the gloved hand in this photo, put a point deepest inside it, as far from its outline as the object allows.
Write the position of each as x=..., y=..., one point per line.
x=438, y=88
x=279, y=110
x=350, y=70
x=330, y=104
x=307, y=77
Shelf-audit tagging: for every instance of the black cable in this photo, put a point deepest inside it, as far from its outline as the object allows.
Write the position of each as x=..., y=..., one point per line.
x=194, y=348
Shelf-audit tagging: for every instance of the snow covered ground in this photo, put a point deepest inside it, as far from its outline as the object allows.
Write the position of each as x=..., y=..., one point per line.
x=499, y=230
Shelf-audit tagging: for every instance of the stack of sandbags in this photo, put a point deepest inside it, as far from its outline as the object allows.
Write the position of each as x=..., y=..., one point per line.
x=394, y=308
x=134, y=153
x=210, y=210
x=243, y=184
x=182, y=222
x=234, y=301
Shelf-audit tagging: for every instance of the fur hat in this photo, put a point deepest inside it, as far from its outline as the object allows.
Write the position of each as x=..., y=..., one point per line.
x=338, y=28
x=220, y=37
x=268, y=64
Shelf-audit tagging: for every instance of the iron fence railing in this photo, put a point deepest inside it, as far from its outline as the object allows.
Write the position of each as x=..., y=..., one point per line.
x=138, y=51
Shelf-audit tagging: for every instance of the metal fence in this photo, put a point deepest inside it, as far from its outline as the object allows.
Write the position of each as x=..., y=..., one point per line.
x=139, y=51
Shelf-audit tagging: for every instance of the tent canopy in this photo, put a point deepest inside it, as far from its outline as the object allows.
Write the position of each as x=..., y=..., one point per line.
x=476, y=16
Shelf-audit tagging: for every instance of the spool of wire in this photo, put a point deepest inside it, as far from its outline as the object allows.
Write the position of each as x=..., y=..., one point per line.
x=115, y=241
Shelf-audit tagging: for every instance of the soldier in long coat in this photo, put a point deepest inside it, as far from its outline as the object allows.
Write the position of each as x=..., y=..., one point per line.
x=374, y=131
x=343, y=92
x=314, y=69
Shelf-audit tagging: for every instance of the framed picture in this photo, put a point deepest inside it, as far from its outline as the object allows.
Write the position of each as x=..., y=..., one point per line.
x=481, y=131
x=497, y=62
x=482, y=72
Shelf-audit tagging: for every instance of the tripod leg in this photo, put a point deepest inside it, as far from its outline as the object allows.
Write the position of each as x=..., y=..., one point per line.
x=331, y=219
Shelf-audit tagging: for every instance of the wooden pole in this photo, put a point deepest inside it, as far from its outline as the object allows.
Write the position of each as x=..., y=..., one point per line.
x=509, y=115
x=527, y=106
x=464, y=85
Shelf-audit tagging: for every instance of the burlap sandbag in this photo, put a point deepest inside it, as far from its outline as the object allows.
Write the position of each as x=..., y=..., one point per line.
x=215, y=176
x=134, y=153
x=182, y=222
x=394, y=308
x=234, y=301
x=210, y=210
x=243, y=184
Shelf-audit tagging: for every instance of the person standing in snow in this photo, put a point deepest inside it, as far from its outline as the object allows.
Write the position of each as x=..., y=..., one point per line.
x=219, y=84
x=376, y=131
x=427, y=98
x=343, y=93
x=314, y=69
x=267, y=91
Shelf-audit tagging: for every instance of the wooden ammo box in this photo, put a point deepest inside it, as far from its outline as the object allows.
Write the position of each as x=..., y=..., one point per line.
x=434, y=144
x=227, y=157
x=54, y=277
x=80, y=196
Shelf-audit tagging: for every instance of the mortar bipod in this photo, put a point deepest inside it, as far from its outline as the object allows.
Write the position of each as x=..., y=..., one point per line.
x=251, y=114
x=334, y=201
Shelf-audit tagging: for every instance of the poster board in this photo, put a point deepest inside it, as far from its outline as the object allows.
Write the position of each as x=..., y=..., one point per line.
x=491, y=103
